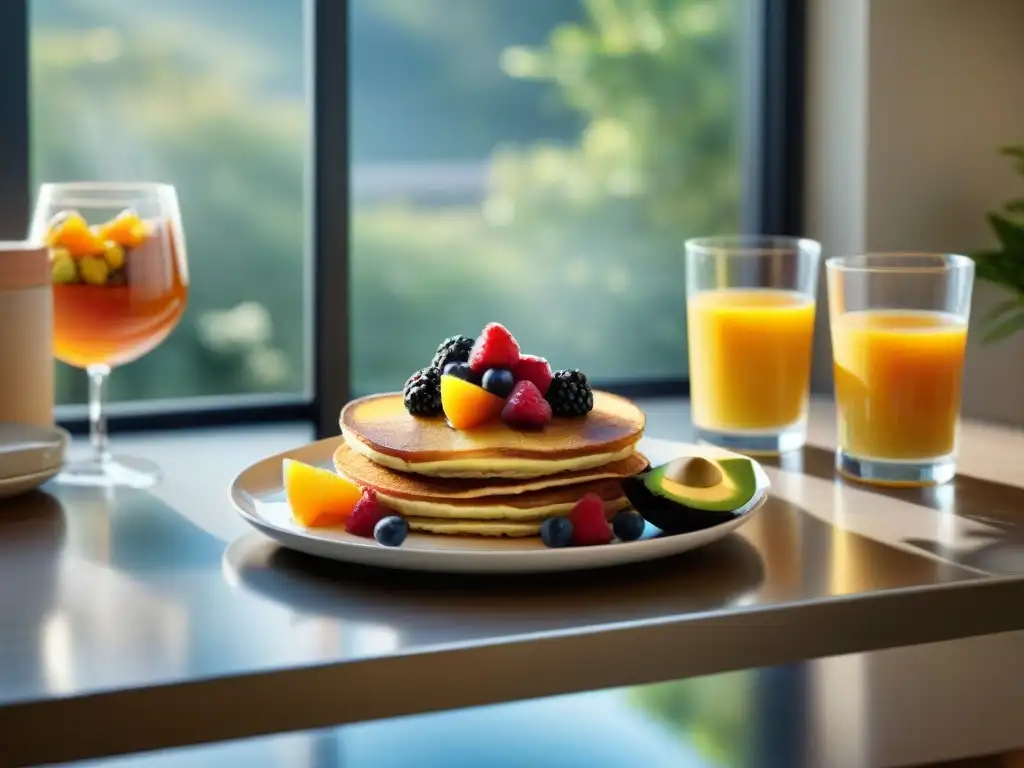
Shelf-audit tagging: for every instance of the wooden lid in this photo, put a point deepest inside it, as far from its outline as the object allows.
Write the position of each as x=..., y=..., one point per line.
x=23, y=264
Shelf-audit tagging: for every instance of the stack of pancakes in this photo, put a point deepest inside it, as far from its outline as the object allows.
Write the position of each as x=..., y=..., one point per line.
x=492, y=480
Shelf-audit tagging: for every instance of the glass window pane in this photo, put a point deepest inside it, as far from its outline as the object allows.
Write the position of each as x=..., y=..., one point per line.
x=538, y=163
x=212, y=100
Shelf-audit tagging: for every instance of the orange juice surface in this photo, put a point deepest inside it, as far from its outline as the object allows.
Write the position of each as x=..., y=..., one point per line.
x=898, y=376
x=750, y=357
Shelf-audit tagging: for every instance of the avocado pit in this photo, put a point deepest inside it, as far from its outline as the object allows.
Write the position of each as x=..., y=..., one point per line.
x=694, y=471
x=692, y=493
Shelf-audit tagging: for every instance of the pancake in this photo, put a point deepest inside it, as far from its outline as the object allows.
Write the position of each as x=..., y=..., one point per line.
x=364, y=472
x=379, y=428
x=495, y=528
x=535, y=505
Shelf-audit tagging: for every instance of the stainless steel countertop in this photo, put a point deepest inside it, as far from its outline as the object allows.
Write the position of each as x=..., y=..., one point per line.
x=921, y=707
x=133, y=621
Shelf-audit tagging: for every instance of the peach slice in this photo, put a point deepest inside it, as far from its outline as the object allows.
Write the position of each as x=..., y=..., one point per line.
x=71, y=231
x=126, y=229
x=466, y=405
x=318, y=496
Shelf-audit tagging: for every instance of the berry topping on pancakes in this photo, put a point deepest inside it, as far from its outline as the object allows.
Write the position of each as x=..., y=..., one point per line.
x=570, y=394
x=526, y=407
x=422, y=393
x=495, y=347
x=455, y=349
x=535, y=369
x=473, y=382
x=498, y=381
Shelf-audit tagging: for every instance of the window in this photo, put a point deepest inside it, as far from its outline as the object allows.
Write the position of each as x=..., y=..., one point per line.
x=194, y=93
x=538, y=162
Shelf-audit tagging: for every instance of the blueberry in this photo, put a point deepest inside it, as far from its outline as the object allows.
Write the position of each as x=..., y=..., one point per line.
x=627, y=525
x=391, y=531
x=499, y=381
x=556, y=531
x=461, y=371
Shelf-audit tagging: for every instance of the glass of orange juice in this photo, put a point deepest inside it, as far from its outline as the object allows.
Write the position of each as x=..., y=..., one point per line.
x=899, y=335
x=750, y=325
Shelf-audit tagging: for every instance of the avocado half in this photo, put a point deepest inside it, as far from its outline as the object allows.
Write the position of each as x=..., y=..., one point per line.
x=693, y=493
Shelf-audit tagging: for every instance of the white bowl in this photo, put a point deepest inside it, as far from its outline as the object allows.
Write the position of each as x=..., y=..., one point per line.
x=28, y=451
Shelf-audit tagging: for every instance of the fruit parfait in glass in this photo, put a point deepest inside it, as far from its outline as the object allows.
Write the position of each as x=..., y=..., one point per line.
x=120, y=286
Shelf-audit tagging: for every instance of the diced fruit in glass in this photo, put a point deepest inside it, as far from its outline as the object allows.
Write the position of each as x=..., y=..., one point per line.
x=94, y=270
x=318, y=497
x=467, y=405
x=126, y=229
x=72, y=232
x=57, y=220
x=113, y=254
x=62, y=267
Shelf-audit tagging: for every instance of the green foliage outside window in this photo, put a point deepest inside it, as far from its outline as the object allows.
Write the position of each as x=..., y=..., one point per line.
x=1004, y=266
x=576, y=244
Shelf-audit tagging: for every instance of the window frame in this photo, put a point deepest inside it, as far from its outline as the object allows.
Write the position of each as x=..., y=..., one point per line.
x=772, y=166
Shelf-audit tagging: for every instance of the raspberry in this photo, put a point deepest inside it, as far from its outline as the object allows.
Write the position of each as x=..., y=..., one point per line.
x=535, y=369
x=589, y=525
x=526, y=407
x=495, y=347
x=367, y=512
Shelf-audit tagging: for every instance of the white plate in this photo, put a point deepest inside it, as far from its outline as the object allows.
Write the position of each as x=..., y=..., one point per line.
x=15, y=486
x=258, y=495
x=27, y=450
x=29, y=456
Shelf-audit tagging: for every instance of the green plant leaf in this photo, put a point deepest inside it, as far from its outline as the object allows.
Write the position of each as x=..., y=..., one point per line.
x=1015, y=206
x=1000, y=309
x=1004, y=328
x=1010, y=234
x=1017, y=154
x=1001, y=268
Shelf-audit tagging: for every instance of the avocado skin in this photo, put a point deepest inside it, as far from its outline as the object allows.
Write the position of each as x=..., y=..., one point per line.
x=667, y=515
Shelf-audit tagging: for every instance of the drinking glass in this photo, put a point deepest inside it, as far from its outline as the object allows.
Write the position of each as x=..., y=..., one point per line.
x=120, y=285
x=750, y=303
x=899, y=335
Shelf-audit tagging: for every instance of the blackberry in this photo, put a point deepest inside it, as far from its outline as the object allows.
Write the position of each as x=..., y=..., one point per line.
x=422, y=393
x=570, y=394
x=453, y=350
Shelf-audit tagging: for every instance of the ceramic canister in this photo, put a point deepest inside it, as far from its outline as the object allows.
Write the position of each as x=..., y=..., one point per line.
x=26, y=334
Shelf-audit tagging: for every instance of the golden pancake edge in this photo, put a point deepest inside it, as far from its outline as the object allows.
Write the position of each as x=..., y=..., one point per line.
x=379, y=428
x=364, y=472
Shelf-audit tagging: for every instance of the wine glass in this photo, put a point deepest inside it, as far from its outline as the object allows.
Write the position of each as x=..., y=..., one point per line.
x=120, y=285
